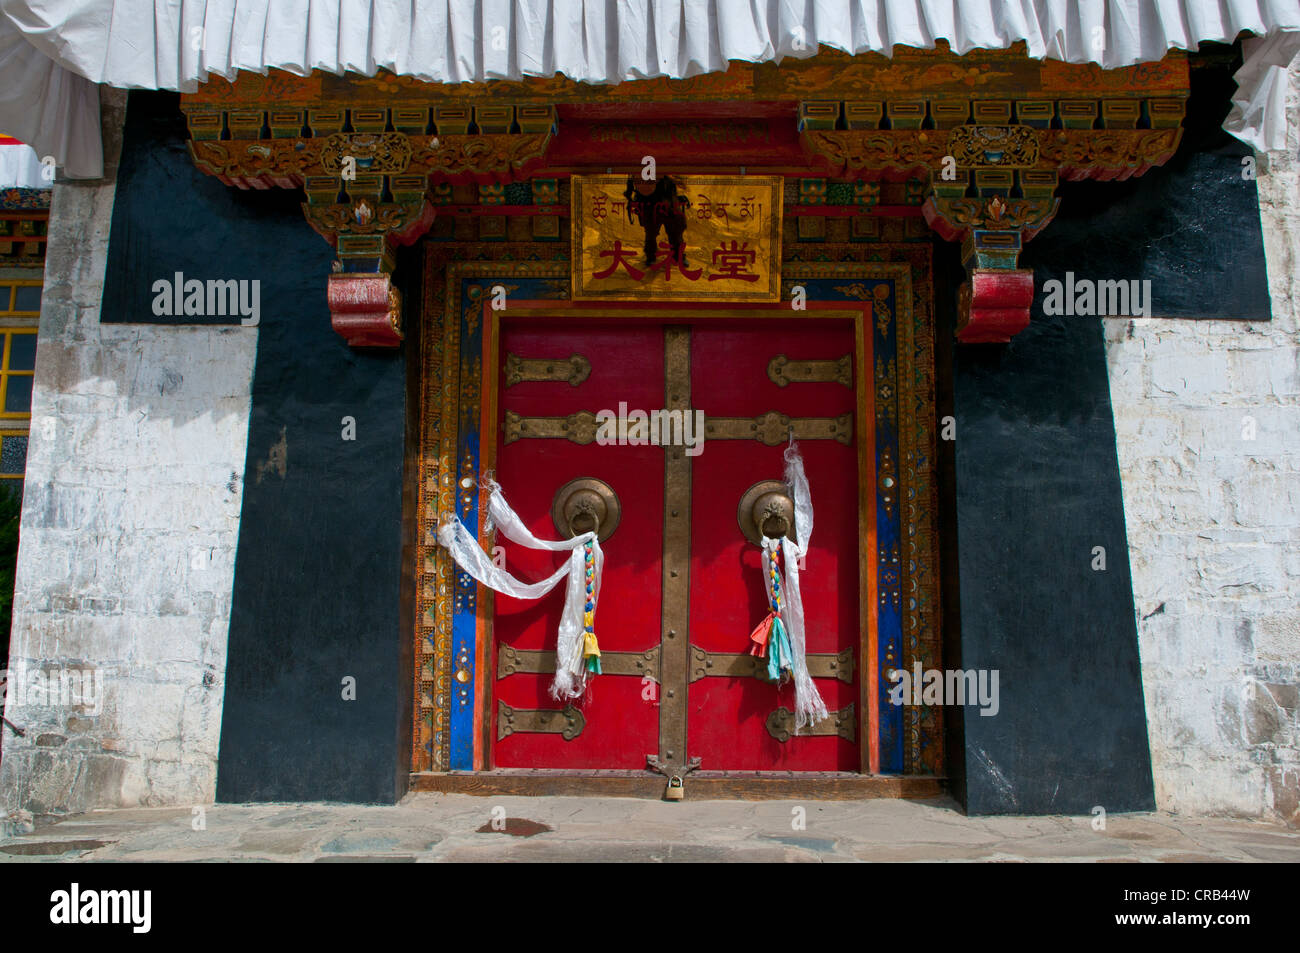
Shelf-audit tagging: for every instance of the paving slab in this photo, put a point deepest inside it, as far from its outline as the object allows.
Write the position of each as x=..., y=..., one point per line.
x=449, y=828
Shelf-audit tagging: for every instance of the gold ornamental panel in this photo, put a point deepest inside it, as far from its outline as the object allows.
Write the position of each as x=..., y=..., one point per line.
x=677, y=238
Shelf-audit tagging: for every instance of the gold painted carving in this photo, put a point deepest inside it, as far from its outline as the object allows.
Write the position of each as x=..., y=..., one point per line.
x=388, y=152
x=854, y=150
x=479, y=155
x=361, y=217
x=1111, y=148
x=292, y=160
x=996, y=212
x=1004, y=147
x=1081, y=151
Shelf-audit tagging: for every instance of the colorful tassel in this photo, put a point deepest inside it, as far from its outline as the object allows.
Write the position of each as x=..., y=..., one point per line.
x=590, y=648
x=779, y=652
x=770, y=639
x=760, y=635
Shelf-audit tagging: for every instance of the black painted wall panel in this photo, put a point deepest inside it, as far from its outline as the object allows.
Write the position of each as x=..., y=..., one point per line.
x=318, y=572
x=1037, y=482
x=1038, y=488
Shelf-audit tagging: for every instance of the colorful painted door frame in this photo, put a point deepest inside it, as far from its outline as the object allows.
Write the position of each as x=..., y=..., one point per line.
x=453, y=667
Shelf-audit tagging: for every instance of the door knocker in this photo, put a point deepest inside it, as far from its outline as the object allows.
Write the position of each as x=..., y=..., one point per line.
x=766, y=509
x=586, y=505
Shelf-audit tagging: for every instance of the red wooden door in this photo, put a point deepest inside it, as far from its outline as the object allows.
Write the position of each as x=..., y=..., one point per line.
x=620, y=725
x=726, y=715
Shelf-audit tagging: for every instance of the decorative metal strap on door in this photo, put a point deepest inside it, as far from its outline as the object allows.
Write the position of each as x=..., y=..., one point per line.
x=567, y=722
x=573, y=371
x=782, y=371
x=772, y=428
x=674, y=635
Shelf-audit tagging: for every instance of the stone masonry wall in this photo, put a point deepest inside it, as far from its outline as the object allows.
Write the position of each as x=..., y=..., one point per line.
x=1207, y=417
x=130, y=520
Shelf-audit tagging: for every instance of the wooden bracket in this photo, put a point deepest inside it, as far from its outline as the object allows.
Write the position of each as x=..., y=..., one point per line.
x=365, y=309
x=368, y=176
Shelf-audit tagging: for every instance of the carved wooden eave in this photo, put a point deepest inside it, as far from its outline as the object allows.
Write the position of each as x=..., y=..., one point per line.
x=985, y=138
x=367, y=176
x=992, y=168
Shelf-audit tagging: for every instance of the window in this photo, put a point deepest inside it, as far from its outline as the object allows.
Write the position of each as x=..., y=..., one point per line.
x=20, y=308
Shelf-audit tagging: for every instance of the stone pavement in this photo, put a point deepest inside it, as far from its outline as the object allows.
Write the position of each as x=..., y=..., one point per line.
x=444, y=828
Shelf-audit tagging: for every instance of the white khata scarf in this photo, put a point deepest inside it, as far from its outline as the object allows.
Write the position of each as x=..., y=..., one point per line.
x=779, y=638
x=576, y=653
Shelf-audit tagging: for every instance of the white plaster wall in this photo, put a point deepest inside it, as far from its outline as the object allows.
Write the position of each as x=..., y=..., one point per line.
x=129, y=527
x=1213, y=522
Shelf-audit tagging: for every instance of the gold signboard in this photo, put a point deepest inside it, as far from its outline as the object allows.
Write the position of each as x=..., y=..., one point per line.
x=677, y=238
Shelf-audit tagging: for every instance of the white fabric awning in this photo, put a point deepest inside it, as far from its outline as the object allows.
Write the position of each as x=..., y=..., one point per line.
x=20, y=167
x=52, y=52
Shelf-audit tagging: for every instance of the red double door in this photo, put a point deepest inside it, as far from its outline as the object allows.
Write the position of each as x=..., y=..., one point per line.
x=682, y=586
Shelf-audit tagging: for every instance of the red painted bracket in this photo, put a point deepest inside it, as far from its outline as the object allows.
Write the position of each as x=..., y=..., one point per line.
x=994, y=305
x=366, y=309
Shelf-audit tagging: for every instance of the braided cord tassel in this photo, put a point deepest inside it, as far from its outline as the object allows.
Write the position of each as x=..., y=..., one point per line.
x=779, y=652
x=770, y=638
x=590, y=648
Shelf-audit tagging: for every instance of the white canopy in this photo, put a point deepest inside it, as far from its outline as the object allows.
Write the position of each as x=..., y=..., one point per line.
x=52, y=52
x=20, y=168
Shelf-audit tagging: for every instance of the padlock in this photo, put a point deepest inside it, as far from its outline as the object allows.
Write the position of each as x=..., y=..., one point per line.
x=675, y=790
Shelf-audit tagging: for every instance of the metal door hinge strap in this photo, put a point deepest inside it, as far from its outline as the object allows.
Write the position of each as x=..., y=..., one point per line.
x=572, y=370
x=780, y=725
x=578, y=428
x=566, y=722
x=782, y=371
x=770, y=428
x=641, y=664
x=773, y=428
x=737, y=665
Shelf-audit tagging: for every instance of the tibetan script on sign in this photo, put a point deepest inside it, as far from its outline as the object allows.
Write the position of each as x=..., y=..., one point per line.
x=677, y=238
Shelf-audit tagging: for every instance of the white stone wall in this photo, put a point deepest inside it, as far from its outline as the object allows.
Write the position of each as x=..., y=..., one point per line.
x=129, y=527
x=1213, y=520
